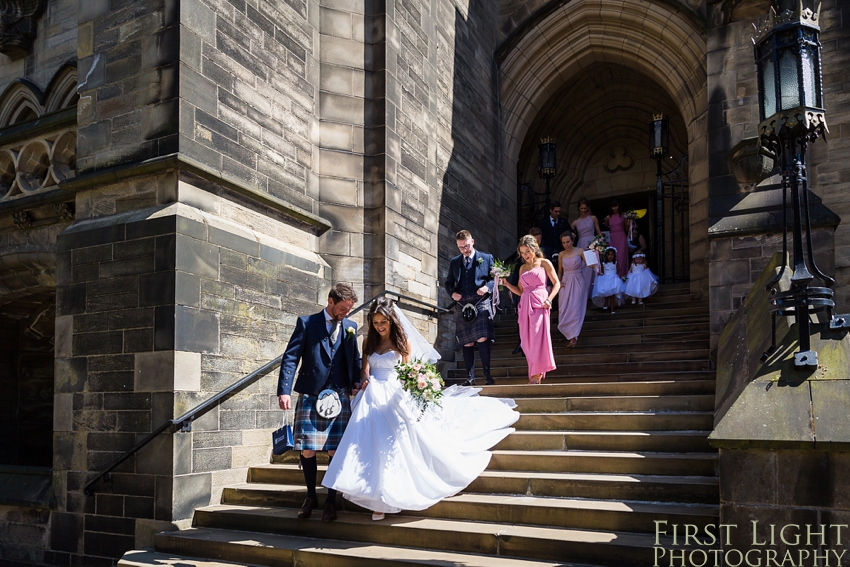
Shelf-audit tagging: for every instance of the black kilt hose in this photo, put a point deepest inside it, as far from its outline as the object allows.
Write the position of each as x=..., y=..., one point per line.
x=481, y=327
x=312, y=432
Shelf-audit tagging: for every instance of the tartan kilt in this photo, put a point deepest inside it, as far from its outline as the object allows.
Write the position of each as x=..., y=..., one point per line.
x=482, y=327
x=315, y=433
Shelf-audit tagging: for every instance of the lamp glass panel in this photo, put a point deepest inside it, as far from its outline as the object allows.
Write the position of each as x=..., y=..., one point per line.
x=809, y=71
x=768, y=89
x=789, y=80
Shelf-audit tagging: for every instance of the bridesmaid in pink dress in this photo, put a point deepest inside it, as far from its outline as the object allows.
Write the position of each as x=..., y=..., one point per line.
x=572, y=301
x=619, y=240
x=535, y=303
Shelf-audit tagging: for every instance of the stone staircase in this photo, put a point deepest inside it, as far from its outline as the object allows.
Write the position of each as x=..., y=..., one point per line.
x=615, y=439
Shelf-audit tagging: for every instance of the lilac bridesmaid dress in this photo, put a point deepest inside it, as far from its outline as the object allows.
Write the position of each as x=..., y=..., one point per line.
x=534, y=322
x=619, y=240
x=572, y=299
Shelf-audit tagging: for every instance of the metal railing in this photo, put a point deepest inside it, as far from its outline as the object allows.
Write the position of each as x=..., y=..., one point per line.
x=184, y=422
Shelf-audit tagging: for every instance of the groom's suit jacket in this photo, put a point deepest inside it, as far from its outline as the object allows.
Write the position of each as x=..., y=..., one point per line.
x=311, y=345
x=482, y=273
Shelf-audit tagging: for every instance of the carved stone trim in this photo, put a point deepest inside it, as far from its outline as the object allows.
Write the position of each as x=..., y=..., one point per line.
x=19, y=25
x=22, y=219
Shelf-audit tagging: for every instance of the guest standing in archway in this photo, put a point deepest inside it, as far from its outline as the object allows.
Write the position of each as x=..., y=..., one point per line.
x=618, y=240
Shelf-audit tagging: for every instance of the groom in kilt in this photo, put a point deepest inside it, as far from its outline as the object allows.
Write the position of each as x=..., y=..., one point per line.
x=470, y=282
x=326, y=346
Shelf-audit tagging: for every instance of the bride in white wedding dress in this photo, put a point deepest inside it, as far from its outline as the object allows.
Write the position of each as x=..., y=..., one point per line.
x=393, y=458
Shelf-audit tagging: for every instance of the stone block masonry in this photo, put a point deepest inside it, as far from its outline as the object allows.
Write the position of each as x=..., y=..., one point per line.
x=157, y=310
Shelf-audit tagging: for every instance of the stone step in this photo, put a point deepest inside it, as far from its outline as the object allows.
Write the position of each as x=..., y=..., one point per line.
x=685, y=441
x=572, y=356
x=149, y=558
x=616, y=403
x=503, y=350
x=526, y=510
x=273, y=550
x=456, y=377
x=596, y=369
x=623, y=318
x=633, y=326
x=617, y=421
x=494, y=539
x=647, y=487
x=607, y=462
x=576, y=389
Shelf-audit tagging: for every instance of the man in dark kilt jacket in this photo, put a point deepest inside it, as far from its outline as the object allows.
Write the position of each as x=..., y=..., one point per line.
x=326, y=346
x=470, y=282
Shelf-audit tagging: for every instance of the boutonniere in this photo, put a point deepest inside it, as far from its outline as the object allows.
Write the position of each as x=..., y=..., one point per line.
x=349, y=333
x=480, y=261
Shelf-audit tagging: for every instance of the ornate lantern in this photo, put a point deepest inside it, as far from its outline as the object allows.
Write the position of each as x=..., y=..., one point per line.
x=787, y=53
x=547, y=163
x=659, y=136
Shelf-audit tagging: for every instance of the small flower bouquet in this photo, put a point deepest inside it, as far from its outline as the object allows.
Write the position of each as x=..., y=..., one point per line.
x=423, y=382
x=500, y=270
x=631, y=215
x=598, y=244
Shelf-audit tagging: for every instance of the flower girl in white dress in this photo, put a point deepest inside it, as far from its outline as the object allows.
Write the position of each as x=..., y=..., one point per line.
x=642, y=283
x=391, y=456
x=608, y=287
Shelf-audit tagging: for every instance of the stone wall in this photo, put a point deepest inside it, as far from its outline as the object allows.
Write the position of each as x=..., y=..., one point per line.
x=828, y=172
x=158, y=309
x=55, y=45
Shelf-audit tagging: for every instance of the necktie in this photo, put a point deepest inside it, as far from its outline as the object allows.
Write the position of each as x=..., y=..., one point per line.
x=334, y=331
x=466, y=262
x=553, y=222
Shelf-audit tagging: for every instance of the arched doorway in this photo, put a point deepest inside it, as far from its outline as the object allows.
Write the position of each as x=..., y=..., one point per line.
x=592, y=74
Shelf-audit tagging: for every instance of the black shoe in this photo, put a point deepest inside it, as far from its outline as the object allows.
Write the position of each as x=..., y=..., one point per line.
x=517, y=350
x=329, y=515
x=469, y=382
x=489, y=380
x=307, y=508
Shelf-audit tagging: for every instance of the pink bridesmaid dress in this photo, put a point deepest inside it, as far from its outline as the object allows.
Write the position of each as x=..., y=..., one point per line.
x=619, y=240
x=534, y=322
x=572, y=299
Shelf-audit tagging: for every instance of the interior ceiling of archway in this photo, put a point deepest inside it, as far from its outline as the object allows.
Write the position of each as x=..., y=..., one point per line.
x=652, y=37
x=603, y=107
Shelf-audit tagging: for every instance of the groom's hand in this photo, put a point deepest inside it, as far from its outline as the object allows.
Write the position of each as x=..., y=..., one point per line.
x=285, y=402
x=456, y=296
x=483, y=290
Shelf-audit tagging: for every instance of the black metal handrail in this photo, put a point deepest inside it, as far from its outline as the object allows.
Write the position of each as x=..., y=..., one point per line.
x=184, y=422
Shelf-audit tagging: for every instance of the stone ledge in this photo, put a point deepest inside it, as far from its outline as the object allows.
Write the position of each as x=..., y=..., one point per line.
x=181, y=162
x=26, y=486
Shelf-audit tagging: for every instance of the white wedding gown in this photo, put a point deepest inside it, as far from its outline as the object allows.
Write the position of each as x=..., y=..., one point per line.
x=390, y=460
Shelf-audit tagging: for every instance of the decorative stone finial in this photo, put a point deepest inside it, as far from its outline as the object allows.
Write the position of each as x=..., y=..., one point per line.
x=18, y=25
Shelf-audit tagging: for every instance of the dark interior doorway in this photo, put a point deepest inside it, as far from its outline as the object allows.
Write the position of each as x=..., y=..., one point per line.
x=27, y=328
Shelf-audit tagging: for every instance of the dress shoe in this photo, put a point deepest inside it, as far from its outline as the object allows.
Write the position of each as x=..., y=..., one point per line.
x=378, y=516
x=489, y=380
x=517, y=350
x=307, y=508
x=329, y=515
x=469, y=382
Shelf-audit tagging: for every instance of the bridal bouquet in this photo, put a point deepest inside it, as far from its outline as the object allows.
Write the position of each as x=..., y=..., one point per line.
x=500, y=270
x=422, y=380
x=631, y=215
x=599, y=243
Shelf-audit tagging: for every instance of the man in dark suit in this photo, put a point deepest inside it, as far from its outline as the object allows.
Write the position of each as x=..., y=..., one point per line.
x=470, y=283
x=326, y=346
x=552, y=227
